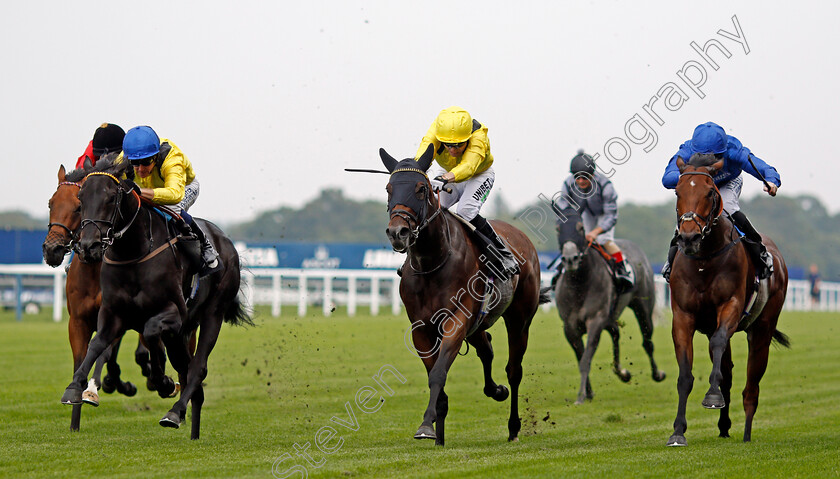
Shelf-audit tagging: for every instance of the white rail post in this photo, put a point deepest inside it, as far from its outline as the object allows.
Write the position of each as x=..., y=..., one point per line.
x=302, y=293
x=351, y=295
x=276, y=293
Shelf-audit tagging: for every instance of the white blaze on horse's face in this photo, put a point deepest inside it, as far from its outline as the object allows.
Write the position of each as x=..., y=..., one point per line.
x=692, y=183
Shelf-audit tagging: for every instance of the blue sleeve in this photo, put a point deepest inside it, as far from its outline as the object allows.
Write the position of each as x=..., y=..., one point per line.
x=672, y=172
x=742, y=156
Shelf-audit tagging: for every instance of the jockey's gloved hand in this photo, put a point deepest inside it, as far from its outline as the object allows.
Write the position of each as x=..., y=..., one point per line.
x=441, y=179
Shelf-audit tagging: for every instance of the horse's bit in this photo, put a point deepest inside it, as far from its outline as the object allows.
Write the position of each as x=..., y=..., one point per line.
x=109, y=236
x=713, y=217
x=71, y=233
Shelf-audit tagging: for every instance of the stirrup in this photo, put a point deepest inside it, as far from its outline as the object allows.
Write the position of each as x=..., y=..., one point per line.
x=666, y=272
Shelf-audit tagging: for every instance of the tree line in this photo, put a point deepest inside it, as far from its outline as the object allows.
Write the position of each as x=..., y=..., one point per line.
x=800, y=225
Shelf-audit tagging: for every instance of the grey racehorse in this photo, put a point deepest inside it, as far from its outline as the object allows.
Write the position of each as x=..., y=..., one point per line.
x=589, y=303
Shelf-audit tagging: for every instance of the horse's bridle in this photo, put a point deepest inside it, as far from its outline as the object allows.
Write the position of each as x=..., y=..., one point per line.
x=419, y=219
x=109, y=236
x=713, y=217
x=70, y=232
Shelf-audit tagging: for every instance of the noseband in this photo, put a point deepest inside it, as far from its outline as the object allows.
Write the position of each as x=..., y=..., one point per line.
x=109, y=236
x=70, y=233
x=713, y=217
x=420, y=219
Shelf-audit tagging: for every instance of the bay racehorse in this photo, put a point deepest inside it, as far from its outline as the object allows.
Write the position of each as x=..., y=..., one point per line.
x=147, y=281
x=450, y=293
x=82, y=292
x=714, y=290
x=589, y=302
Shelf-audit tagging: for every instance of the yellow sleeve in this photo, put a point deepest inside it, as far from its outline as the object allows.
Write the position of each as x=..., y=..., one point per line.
x=174, y=176
x=474, y=157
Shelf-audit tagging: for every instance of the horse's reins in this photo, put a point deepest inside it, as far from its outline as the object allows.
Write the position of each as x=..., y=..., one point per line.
x=414, y=233
x=69, y=246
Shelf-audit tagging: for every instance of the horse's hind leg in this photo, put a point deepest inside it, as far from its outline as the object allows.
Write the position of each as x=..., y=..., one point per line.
x=724, y=423
x=759, y=341
x=484, y=349
x=518, y=343
x=644, y=315
x=619, y=371
x=143, y=359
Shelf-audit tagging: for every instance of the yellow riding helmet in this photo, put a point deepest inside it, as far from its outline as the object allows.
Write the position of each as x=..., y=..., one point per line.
x=453, y=125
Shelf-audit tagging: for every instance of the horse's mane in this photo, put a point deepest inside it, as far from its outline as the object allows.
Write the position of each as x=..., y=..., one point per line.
x=703, y=159
x=107, y=163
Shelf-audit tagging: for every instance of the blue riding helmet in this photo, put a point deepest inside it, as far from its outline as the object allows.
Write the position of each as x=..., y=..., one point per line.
x=709, y=138
x=140, y=142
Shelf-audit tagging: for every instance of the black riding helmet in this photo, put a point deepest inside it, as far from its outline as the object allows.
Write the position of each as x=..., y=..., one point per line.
x=107, y=138
x=582, y=163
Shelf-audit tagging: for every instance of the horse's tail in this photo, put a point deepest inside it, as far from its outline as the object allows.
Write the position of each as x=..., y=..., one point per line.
x=544, y=295
x=781, y=338
x=236, y=312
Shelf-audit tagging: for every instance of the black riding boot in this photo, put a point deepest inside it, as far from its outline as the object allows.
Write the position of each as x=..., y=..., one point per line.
x=672, y=252
x=763, y=260
x=499, y=255
x=209, y=256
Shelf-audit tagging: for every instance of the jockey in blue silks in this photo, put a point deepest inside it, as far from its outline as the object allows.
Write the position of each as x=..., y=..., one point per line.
x=711, y=138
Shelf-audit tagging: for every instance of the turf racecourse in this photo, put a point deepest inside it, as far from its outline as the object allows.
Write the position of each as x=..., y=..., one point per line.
x=277, y=385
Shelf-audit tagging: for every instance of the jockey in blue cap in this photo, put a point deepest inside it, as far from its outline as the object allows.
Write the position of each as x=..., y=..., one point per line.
x=711, y=138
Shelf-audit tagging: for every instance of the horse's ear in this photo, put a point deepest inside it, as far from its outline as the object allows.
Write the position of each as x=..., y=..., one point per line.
x=716, y=166
x=680, y=164
x=87, y=164
x=426, y=160
x=387, y=160
x=61, y=174
x=579, y=228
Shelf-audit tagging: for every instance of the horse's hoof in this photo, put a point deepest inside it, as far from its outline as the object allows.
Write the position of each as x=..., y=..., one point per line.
x=676, y=440
x=108, y=385
x=176, y=391
x=128, y=390
x=502, y=393
x=714, y=401
x=625, y=375
x=579, y=402
x=659, y=376
x=72, y=396
x=513, y=439
x=91, y=398
x=150, y=385
x=425, y=432
x=171, y=420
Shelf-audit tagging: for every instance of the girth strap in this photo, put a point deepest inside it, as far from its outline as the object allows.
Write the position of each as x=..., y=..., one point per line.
x=149, y=256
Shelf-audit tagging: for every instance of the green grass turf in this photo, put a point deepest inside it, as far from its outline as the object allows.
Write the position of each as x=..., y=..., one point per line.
x=277, y=385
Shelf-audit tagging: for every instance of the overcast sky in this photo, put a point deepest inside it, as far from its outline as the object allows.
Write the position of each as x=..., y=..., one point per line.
x=272, y=100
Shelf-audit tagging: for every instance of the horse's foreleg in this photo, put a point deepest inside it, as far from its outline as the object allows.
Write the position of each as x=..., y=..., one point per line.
x=113, y=380
x=517, y=344
x=718, y=343
x=79, y=332
x=683, y=334
x=759, y=340
x=619, y=371
x=152, y=331
x=437, y=380
x=573, y=335
x=724, y=422
x=484, y=349
x=593, y=337
x=73, y=393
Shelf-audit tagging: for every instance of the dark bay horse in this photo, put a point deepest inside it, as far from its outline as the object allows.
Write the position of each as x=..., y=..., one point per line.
x=589, y=302
x=81, y=289
x=450, y=296
x=146, y=282
x=712, y=283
